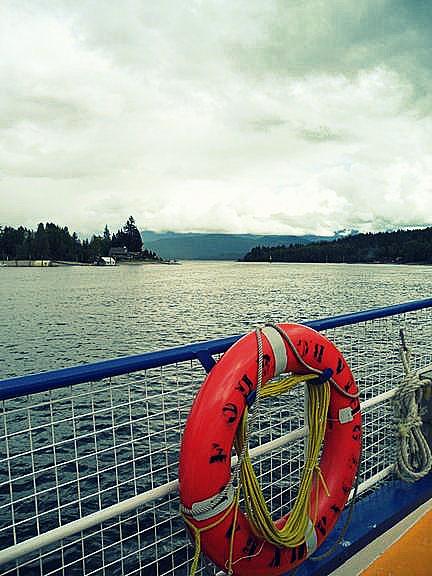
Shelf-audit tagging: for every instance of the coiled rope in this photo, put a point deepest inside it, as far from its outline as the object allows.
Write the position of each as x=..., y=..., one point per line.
x=295, y=530
x=414, y=459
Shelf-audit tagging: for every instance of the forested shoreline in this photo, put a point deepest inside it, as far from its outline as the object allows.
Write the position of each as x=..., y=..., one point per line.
x=399, y=247
x=53, y=242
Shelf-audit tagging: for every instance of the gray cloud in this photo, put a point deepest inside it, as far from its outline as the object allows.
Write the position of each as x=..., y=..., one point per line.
x=320, y=134
x=276, y=116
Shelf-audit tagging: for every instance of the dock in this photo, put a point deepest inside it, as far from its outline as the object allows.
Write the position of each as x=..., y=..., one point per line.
x=27, y=263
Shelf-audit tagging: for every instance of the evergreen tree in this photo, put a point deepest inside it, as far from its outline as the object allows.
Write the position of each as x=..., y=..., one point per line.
x=128, y=236
x=106, y=241
x=133, y=237
x=41, y=246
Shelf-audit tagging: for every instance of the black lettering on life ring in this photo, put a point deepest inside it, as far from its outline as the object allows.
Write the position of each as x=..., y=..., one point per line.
x=230, y=412
x=302, y=551
x=347, y=386
x=228, y=533
x=298, y=552
x=355, y=404
x=245, y=385
x=266, y=365
x=356, y=432
x=318, y=352
x=275, y=563
x=218, y=454
x=322, y=525
x=304, y=347
x=250, y=548
x=340, y=366
x=353, y=462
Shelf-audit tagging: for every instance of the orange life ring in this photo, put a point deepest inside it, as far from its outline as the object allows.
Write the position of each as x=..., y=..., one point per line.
x=205, y=456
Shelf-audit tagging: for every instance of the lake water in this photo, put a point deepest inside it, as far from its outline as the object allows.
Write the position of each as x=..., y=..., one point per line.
x=56, y=317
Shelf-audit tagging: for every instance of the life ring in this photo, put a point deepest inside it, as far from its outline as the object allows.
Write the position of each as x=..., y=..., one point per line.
x=205, y=455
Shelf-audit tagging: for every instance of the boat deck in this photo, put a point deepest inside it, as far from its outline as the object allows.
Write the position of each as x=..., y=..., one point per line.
x=410, y=554
x=392, y=553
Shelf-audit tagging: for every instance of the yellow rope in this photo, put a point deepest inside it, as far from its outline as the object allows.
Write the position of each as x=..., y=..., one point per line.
x=233, y=531
x=295, y=530
x=198, y=531
x=297, y=527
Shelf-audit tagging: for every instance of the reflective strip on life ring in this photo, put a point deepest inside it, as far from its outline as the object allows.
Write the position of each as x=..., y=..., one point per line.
x=205, y=456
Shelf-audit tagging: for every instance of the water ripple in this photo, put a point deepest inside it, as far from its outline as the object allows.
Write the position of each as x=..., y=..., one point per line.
x=66, y=316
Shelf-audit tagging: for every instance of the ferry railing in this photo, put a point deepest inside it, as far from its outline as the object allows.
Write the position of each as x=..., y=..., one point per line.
x=89, y=454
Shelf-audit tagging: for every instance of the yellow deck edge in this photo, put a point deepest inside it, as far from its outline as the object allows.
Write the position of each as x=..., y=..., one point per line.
x=410, y=555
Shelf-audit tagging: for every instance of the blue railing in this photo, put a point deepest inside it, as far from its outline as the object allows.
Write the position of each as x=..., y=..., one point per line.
x=202, y=351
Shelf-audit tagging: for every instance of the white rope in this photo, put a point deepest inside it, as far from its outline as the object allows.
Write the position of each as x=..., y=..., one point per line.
x=414, y=459
x=253, y=408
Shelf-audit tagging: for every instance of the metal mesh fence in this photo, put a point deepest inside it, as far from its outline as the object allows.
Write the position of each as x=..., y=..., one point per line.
x=69, y=453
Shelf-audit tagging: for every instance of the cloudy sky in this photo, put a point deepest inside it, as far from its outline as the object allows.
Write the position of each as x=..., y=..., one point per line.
x=263, y=116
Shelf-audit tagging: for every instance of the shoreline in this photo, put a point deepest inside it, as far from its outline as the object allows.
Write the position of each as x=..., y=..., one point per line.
x=347, y=263
x=67, y=264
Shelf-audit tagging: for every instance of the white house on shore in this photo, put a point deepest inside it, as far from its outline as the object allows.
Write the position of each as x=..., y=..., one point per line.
x=106, y=261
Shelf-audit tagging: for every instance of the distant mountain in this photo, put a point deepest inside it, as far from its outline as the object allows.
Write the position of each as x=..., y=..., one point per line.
x=197, y=246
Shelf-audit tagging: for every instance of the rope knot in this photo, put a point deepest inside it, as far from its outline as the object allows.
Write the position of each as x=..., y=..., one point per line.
x=320, y=477
x=414, y=459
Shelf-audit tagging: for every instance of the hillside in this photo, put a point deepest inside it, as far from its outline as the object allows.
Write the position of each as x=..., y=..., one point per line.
x=402, y=246
x=196, y=246
x=52, y=242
